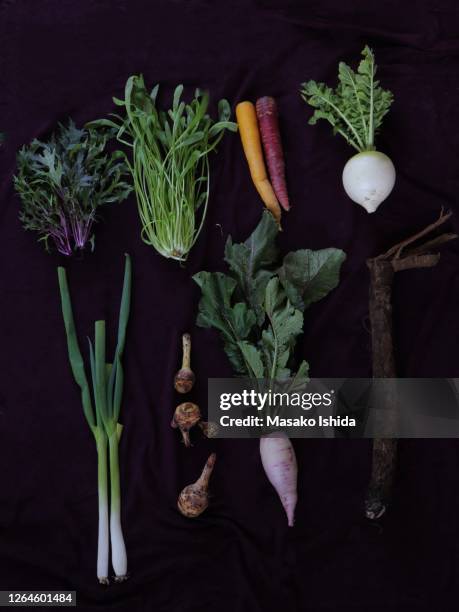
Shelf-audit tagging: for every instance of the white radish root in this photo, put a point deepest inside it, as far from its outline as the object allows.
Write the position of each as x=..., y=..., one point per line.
x=368, y=178
x=279, y=462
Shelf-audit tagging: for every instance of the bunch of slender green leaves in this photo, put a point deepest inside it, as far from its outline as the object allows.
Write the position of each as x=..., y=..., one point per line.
x=356, y=107
x=169, y=164
x=107, y=391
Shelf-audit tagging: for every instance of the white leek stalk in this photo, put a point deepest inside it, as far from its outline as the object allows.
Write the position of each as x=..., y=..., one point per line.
x=107, y=385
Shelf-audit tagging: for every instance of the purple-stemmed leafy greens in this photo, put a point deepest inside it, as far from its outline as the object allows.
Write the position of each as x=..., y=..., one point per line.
x=63, y=182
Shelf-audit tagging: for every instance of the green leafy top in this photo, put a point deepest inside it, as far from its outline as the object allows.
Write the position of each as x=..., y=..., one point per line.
x=356, y=107
x=107, y=378
x=63, y=182
x=258, y=307
x=170, y=161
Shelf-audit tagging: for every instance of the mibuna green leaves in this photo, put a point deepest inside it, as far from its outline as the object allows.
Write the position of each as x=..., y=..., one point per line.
x=169, y=161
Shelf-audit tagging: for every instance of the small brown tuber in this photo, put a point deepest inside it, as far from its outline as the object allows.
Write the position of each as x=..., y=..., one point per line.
x=186, y=416
x=184, y=379
x=194, y=498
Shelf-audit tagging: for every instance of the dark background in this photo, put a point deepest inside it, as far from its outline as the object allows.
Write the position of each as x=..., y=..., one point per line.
x=61, y=58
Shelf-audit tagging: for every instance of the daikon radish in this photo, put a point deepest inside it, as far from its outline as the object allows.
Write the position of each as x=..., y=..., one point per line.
x=279, y=462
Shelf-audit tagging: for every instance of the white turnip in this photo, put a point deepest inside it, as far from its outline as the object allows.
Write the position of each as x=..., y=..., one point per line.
x=368, y=178
x=355, y=109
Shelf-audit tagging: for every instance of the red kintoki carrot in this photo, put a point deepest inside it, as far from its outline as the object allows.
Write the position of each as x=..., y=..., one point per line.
x=269, y=127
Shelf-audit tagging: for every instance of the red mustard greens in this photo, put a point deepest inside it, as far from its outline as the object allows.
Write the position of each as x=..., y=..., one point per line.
x=62, y=183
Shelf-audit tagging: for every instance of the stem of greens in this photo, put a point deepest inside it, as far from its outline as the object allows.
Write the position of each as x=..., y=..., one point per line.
x=371, y=129
x=342, y=115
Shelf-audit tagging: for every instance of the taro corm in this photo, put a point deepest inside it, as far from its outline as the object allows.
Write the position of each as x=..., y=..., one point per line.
x=64, y=181
x=186, y=416
x=194, y=498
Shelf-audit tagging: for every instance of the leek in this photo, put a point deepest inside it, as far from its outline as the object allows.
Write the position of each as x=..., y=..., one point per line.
x=107, y=391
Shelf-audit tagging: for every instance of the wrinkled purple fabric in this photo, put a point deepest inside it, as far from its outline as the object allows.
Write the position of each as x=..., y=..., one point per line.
x=60, y=58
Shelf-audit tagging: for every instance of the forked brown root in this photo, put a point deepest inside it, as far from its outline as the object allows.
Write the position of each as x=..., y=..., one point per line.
x=407, y=254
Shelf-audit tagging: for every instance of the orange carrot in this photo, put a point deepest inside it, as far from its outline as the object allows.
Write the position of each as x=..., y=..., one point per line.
x=250, y=136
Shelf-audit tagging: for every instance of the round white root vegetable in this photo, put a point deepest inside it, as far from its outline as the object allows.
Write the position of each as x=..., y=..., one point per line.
x=279, y=462
x=356, y=109
x=368, y=178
